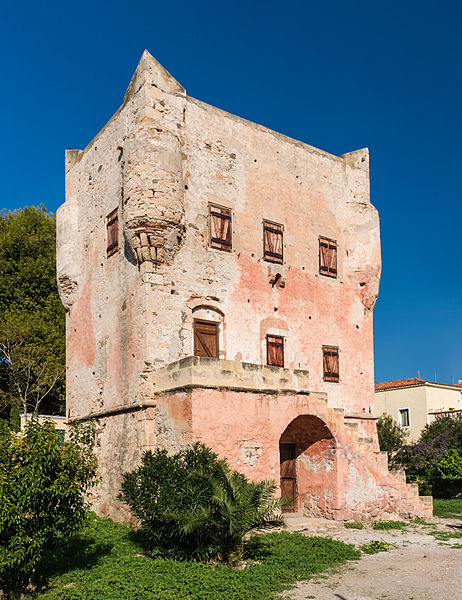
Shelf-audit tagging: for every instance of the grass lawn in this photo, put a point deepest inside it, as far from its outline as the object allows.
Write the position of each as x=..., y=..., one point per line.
x=451, y=508
x=105, y=563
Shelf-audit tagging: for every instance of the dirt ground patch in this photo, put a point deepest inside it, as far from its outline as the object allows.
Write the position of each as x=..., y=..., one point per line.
x=417, y=567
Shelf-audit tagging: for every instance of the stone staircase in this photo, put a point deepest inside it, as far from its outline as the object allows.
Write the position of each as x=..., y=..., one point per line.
x=394, y=482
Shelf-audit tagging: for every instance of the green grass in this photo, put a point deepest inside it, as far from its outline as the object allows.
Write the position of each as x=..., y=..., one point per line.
x=420, y=521
x=384, y=525
x=446, y=534
x=354, y=525
x=451, y=508
x=375, y=546
x=105, y=563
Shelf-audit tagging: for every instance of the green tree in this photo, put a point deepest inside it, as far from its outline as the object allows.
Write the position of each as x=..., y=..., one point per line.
x=32, y=319
x=448, y=429
x=43, y=487
x=391, y=436
x=191, y=505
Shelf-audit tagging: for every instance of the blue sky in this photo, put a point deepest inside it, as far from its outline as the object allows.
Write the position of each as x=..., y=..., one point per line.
x=337, y=75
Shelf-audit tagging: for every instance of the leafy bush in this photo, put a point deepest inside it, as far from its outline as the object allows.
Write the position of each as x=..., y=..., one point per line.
x=42, y=494
x=384, y=525
x=391, y=436
x=433, y=466
x=450, y=466
x=354, y=525
x=375, y=546
x=447, y=428
x=193, y=506
x=421, y=462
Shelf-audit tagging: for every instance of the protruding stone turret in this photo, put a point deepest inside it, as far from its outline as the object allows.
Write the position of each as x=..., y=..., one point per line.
x=153, y=178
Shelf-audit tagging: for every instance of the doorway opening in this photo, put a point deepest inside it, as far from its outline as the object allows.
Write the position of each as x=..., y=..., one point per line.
x=307, y=466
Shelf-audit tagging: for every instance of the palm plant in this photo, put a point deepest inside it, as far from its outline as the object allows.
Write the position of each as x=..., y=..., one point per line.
x=193, y=506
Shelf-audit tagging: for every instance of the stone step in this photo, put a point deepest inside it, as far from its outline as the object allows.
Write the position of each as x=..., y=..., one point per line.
x=427, y=500
x=299, y=522
x=413, y=489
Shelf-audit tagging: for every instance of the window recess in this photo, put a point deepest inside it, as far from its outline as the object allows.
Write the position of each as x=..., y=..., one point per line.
x=327, y=257
x=273, y=242
x=220, y=228
x=275, y=350
x=404, y=417
x=112, y=232
x=330, y=359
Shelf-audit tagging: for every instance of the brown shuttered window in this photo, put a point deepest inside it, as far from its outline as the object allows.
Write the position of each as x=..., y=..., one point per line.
x=272, y=242
x=330, y=363
x=275, y=350
x=328, y=257
x=205, y=338
x=112, y=232
x=220, y=228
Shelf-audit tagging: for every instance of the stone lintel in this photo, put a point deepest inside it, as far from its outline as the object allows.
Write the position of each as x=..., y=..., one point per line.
x=360, y=416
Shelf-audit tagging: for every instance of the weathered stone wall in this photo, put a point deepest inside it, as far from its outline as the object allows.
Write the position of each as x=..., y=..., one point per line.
x=160, y=161
x=104, y=297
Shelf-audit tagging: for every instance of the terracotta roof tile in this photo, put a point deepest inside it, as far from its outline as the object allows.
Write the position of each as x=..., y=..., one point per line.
x=397, y=383
x=411, y=382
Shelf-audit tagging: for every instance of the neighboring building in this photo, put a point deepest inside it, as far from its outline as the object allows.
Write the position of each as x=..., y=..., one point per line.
x=414, y=403
x=219, y=280
x=60, y=422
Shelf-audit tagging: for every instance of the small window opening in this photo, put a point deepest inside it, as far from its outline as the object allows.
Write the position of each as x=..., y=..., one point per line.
x=273, y=242
x=275, y=350
x=330, y=363
x=112, y=229
x=220, y=228
x=327, y=257
x=404, y=417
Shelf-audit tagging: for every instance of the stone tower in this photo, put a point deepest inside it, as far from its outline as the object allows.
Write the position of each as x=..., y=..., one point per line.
x=219, y=280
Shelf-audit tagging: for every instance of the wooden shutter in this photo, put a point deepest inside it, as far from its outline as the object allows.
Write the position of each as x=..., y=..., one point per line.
x=330, y=363
x=206, y=339
x=275, y=350
x=112, y=231
x=220, y=228
x=273, y=242
x=328, y=257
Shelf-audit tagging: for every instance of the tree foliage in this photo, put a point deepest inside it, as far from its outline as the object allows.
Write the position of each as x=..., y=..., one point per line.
x=448, y=428
x=435, y=467
x=42, y=494
x=391, y=436
x=193, y=506
x=32, y=319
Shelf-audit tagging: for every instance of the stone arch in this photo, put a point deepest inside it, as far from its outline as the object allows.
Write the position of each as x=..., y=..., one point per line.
x=311, y=443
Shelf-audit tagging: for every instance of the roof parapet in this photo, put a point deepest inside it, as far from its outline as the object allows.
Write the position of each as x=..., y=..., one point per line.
x=358, y=159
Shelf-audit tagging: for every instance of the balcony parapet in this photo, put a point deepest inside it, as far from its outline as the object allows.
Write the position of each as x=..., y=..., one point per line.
x=197, y=371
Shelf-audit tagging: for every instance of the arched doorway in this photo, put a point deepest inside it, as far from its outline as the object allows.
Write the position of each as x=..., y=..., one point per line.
x=307, y=466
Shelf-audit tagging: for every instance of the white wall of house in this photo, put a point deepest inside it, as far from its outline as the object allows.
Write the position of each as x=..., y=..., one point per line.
x=419, y=402
x=411, y=398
